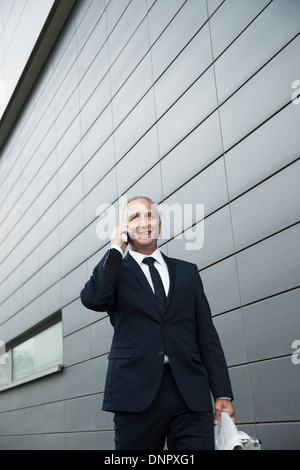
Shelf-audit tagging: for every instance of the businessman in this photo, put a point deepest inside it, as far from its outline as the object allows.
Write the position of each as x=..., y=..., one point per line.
x=166, y=361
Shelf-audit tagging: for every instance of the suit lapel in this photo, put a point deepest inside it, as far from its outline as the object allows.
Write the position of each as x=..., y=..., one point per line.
x=131, y=264
x=135, y=268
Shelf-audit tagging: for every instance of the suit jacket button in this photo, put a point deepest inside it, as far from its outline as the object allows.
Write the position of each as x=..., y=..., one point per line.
x=160, y=353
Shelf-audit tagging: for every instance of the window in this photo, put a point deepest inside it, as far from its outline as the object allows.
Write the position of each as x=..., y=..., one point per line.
x=4, y=371
x=40, y=354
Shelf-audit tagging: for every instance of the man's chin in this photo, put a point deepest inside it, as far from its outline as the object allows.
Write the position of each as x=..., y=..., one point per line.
x=141, y=242
x=145, y=241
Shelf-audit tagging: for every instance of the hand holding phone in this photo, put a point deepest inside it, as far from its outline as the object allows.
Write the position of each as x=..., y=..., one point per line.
x=120, y=237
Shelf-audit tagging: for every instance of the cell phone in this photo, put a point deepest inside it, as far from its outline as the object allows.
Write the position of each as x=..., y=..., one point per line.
x=124, y=238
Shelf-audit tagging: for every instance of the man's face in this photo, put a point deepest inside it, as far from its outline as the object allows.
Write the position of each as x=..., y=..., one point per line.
x=143, y=223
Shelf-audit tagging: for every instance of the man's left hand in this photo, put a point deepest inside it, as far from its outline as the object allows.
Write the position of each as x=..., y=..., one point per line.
x=223, y=405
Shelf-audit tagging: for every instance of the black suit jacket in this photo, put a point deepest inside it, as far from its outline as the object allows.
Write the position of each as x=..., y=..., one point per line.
x=142, y=335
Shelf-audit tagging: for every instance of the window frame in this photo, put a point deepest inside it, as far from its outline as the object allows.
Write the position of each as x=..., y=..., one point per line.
x=36, y=330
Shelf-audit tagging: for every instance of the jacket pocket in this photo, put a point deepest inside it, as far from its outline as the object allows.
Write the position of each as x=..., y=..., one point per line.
x=124, y=353
x=196, y=357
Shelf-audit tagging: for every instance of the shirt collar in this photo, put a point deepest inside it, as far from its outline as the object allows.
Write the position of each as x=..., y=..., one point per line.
x=140, y=256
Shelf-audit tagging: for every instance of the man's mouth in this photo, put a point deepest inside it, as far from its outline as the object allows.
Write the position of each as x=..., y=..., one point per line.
x=144, y=234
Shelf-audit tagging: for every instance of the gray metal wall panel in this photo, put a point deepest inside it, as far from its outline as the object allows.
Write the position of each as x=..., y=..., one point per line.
x=230, y=325
x=280, y=436
x=140, y=159
x=188, y=112
x=200, y=148
x=270, y=326
x=277, y=269
x=273, y=382
x=243, y=399
x=275, y=26
x=230, y=20
x=264, y=210
x=221, y=286
x=183, y=71
x=178, y=32
x=214, y=247
x=264, y=152
x=256, y=101
x=208, y=188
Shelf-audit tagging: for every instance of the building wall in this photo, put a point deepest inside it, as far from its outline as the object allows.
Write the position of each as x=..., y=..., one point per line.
x=188, y=102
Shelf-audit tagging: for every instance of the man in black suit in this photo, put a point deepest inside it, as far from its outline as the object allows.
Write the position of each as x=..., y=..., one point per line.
x=166, y=360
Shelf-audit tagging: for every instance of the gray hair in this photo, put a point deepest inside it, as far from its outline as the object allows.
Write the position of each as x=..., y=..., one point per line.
x=135, y=198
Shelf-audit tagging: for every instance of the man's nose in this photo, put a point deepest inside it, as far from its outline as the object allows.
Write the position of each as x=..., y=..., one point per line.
x=144, y=221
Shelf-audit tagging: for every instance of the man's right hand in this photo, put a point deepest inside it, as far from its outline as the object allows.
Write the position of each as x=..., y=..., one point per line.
x=116, y=237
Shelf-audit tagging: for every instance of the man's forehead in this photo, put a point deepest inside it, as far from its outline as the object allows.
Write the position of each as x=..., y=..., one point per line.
x=140, y=206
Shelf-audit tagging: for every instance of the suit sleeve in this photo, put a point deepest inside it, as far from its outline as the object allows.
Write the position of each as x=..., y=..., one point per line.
x=210, y=346
x=99, y=292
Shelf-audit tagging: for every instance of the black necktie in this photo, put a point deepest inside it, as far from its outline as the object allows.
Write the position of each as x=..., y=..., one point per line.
x=157, y=282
